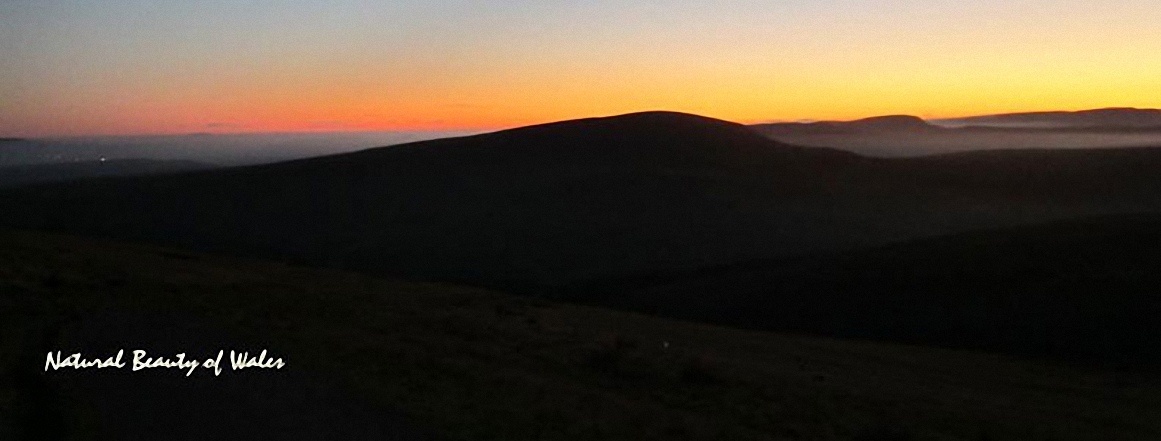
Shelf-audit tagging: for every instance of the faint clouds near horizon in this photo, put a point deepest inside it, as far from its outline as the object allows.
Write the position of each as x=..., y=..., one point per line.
x=83, y=67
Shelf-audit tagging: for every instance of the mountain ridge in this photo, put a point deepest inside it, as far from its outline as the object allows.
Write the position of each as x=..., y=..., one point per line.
x=653, y=130
x=1109, y=118
x=886, y=123
x=581, y=199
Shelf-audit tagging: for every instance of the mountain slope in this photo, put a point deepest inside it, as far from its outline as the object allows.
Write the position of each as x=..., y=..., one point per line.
x=590, y=198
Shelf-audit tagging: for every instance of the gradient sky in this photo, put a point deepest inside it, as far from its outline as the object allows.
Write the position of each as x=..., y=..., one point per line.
x=88, y=67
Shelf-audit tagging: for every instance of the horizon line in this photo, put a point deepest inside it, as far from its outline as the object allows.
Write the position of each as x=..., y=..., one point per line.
x=496, y=128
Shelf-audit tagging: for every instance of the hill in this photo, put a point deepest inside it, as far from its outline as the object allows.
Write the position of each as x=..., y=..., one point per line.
x=536, y=203
x=552, y=204
x=910, y=136
x=1110, y=118
x=879, y=124
x=897, y=144
x=1083, y=290
x=373, y=359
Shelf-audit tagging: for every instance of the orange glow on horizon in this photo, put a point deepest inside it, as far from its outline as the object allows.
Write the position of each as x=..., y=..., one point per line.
x=408, y=67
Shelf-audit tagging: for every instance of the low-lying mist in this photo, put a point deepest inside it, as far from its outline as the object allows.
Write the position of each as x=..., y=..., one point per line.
x=903, y=144
x=224, y=150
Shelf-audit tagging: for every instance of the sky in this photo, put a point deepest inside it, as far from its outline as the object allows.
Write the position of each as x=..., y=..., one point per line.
x=100, y=67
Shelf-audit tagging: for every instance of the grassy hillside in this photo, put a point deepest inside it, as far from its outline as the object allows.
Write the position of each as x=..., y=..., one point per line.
x=1082, y=289
x=369, y=358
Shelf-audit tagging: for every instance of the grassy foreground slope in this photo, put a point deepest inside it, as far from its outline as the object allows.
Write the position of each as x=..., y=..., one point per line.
x=372, y=359
x=1081, y=289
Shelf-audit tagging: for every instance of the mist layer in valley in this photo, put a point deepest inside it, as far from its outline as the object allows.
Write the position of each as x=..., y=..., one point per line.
x=905, y=135
x=215, y=149
x=904, y=144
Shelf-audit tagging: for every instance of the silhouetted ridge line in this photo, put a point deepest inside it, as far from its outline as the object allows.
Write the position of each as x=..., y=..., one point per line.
x=891, y=123
x=640, y=136
x=588, y=198
x=1113, y=117
x=878, y=124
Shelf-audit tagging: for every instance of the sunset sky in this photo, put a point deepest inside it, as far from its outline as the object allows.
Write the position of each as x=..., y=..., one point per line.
x=89, y=67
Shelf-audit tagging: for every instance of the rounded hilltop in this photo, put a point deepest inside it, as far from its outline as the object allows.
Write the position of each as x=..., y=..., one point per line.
x=891, y=123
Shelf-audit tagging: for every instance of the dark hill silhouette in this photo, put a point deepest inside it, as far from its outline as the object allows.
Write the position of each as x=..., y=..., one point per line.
x=591, y=198
x=1117, y=117
x=890, y=123
x=908, y=136
x=1083, y=289
x=878, y=124
x=559, y=200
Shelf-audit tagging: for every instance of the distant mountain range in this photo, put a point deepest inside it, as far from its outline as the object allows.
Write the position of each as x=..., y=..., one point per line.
x=892, y=123
x=1099, y=119
x=1125, y=118
x=905, y=136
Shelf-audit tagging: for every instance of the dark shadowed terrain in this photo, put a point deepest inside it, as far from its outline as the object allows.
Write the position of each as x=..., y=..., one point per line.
x=370, y=358
x=590, y=198
x=1082, y=290
x=1026, y=278
x=544, y=209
